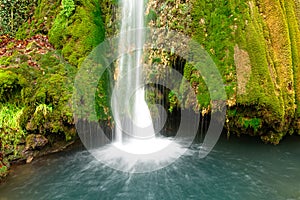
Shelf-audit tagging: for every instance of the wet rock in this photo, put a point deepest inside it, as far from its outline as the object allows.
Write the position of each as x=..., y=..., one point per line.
x=34, y=141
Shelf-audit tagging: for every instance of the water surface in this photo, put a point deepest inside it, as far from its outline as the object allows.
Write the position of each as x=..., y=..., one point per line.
x=236, y=169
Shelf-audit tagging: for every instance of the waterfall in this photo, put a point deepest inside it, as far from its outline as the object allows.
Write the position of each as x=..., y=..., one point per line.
x=132, y=115
x=136, y=147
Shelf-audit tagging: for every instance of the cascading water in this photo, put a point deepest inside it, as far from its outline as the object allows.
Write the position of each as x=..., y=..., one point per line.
x=136, y=147
x=131, y=114
x=135, y=140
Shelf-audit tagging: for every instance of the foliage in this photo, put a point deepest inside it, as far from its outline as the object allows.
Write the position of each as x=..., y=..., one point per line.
x=48, y=109
x=173, y=100
x=68, y=7
x=13, y=13
x=41, y=21
x=10, y=131
x=254, y=123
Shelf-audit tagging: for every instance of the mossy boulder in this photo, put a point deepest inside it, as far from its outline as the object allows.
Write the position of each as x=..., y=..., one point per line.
x=48, y=103
x=44, y=94
x=35, y=141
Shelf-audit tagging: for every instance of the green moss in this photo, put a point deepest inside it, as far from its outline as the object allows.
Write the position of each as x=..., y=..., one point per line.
x=218, y=25
x=10, y=85
x=173, y=100
x=260, y=88
x=254, y=123
x=152, y=16
x=269, y=33
x=192, y=75
x=49, y=111
x=77, y=34
x=45, y=95
x=293, y=26
x=102, y=97
x=273, y=138
x=11, y=132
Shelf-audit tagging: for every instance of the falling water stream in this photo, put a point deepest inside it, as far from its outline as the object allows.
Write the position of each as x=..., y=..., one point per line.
x=136, y=141
x=131, y=111
x=136, y=147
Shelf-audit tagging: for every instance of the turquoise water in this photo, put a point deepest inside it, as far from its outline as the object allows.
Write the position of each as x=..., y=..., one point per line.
x=236, y=169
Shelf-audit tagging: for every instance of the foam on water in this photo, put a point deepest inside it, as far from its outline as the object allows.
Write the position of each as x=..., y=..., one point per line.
x=137, y=155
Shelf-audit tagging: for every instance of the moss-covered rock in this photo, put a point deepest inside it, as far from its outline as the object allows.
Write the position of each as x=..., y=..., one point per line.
x=11, y=133
x=35, y=141
x=77, y=29
x=255, y=45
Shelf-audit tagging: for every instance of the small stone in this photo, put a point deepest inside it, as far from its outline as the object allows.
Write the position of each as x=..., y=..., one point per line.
x=29, y=159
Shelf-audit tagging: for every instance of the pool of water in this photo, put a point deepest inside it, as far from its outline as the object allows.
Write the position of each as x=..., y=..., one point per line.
x=236, y=169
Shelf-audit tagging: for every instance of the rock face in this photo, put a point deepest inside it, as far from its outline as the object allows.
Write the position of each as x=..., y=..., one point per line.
x=255, y=45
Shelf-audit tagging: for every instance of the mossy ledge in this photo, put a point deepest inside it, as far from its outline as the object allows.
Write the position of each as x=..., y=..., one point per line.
x=255, y=45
